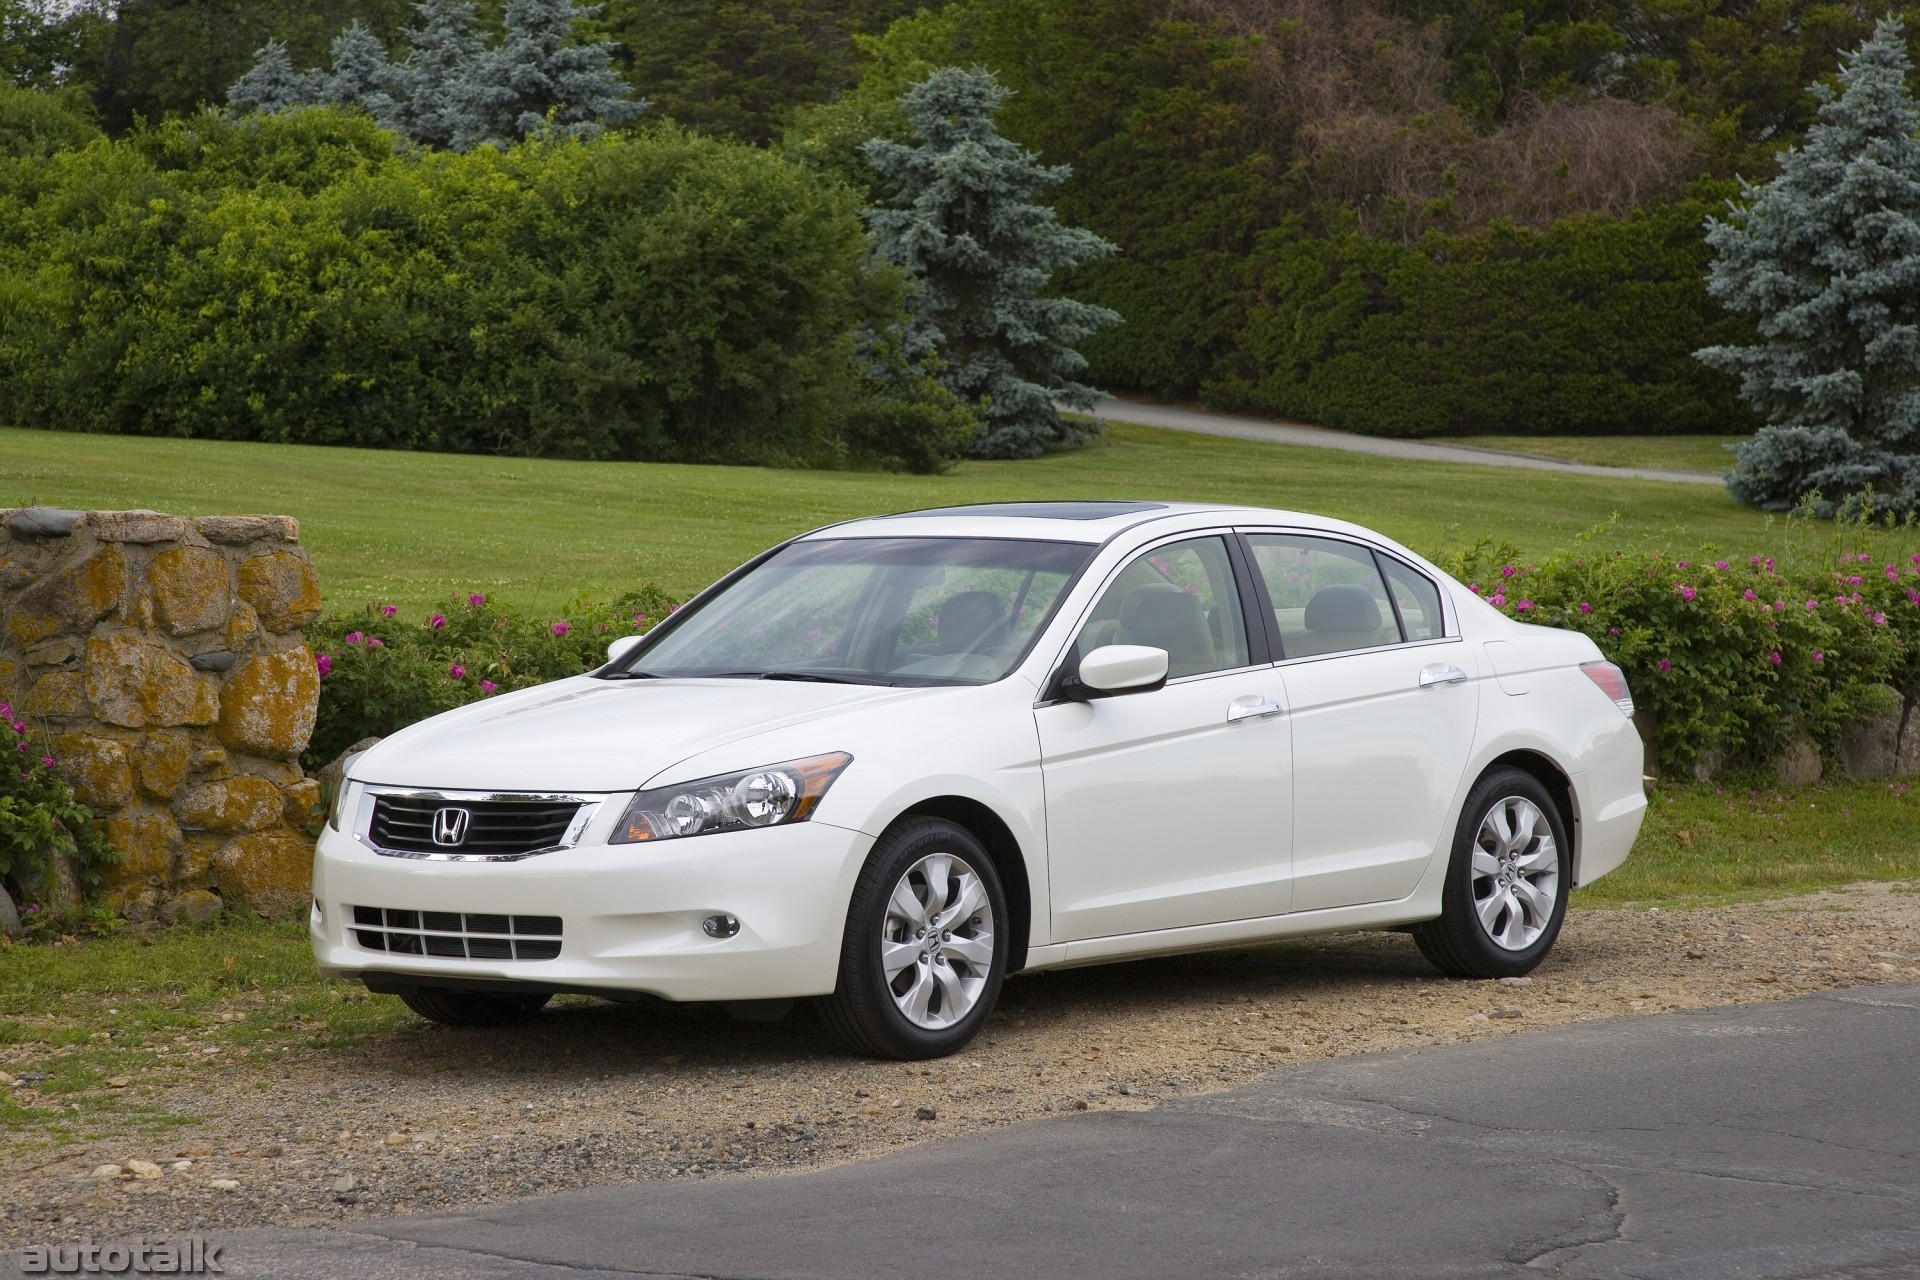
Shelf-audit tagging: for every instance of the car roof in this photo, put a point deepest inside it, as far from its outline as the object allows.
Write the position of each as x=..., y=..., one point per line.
x=1090, y=521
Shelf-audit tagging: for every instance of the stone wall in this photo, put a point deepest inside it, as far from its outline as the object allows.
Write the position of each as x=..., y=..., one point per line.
x=161, y=659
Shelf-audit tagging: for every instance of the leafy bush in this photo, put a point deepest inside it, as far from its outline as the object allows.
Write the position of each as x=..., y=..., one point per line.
x=295, y=278
x=1732, y=659
x=1587, y=327
x=380, y=672
x=39, y=817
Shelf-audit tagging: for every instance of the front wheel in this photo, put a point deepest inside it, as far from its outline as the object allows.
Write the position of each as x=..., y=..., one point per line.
x=1507, y=883
x=925, y=949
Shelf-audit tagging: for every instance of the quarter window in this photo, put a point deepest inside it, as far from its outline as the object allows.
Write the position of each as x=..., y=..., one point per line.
x=1181, y=598
x=1328, y=596
x=1418, y=600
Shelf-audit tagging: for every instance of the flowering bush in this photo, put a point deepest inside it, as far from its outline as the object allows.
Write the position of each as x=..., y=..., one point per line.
x=39, y=817
x=1732, y=658
x=381, y=670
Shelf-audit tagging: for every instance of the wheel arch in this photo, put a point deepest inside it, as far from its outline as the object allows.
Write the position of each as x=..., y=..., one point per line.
x=1008, y=860
x=1559, y=785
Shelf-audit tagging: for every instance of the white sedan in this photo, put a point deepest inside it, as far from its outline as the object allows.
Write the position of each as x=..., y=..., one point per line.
x=888, y=763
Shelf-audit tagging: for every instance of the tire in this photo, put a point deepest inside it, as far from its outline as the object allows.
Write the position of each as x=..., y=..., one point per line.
x=1478, y=935
x=473, y=1008
x=942, y=987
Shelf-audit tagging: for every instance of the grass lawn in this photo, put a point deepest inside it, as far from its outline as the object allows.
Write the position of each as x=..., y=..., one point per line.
x=248, y=990
x=1670, y=453
x=416, y=528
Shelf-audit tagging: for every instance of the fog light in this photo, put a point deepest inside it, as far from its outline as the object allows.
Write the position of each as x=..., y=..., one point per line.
x=720, y=926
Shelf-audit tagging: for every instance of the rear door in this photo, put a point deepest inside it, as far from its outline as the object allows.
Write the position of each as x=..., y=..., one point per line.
x=1383, y=706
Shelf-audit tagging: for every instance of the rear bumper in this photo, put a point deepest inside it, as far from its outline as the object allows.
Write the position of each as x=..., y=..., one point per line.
x=630, y=914
x=1613, y=803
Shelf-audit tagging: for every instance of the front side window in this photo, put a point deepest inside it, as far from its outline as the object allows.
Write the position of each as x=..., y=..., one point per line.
x=873, y=611
x=1328, y=596
x=1181, y=598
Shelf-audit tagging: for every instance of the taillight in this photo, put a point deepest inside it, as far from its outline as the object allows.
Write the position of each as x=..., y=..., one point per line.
x=1612, y=681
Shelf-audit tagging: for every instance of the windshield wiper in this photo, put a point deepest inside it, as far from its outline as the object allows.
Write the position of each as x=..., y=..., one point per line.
x=629, y=675
x=818, y=677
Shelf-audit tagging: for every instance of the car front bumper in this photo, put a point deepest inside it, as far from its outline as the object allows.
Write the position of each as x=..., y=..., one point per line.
x=631, y=915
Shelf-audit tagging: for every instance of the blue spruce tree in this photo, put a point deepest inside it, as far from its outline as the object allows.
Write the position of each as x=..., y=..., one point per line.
x=963, y=223
x=439, y=86
x=541, y=77
x=1826, y=258
x=271, y=84
x=361, y=76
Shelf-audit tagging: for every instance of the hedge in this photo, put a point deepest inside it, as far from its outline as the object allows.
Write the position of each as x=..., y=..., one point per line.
x=302, y=277
x=1587, y=327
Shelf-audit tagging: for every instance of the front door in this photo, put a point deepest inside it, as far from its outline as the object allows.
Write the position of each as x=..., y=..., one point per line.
x=1174, y=807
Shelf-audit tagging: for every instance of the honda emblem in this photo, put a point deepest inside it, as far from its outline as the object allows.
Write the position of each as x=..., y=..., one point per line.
x=450, y=826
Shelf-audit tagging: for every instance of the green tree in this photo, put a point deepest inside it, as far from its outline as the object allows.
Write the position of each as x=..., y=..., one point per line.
x=962, y=222
x=1826, y=259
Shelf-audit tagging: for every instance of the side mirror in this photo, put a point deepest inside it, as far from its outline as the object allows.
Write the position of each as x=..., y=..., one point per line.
x=1118, y=668
x=622, y=646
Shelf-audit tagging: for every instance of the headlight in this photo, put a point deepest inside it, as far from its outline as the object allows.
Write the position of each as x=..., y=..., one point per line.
x=768, y=797
x=339, y=812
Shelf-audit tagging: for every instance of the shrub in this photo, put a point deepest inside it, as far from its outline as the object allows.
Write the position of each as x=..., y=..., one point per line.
x=1586, y=327
x=381, y=672
x=39, y=817
x=1732, y=659
x=294, y=278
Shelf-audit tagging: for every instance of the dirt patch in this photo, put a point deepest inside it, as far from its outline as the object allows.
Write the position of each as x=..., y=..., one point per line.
x=433, y=1119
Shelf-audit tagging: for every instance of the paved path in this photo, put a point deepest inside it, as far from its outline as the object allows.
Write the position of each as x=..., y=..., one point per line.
x=1219, y=424
x=1754, y=1143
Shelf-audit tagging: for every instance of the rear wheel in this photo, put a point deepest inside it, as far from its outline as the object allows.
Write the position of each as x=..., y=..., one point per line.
x=1507, y=883
x=473, y=1008
x=925, y=949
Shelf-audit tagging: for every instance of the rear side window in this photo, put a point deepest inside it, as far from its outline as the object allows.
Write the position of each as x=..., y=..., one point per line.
x=1328, y=596
x=1418, y=599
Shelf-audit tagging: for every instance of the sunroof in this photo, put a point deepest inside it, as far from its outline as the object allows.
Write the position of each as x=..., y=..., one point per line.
x=1045, y=510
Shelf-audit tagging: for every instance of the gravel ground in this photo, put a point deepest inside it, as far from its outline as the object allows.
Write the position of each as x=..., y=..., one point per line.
x=432, y=1119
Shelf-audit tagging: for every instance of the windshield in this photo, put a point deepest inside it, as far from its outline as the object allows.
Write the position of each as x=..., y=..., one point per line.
x=872, y=611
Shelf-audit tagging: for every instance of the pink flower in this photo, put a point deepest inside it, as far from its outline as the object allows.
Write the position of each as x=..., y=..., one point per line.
x=1524, y=605
x=375, y=642
x=1585, y=607
x=1499, y=600
x=47, y=761
x=1474, y=587
x=437, y=621
x=1854, y=579
x=1753, y=559
x=1507, y=571
x=1893, y=573
x=352, y=637
x=1865, y=556
x=1686, y=592
x=1682, y=564
x=488, y=686
x=833, y=645
x=639, y=619
x=1769, y=562
x=1818, y=656
x=476, y=600
x=1879, y=619
x=6, y=711
x=324, y=663
x=562, y=627
x=389, y=610
x=1774, y=657
x=1749, y=594
x=20, y=726
x=457, y=671
x=1664, y=665
x=1721, y=565
x=1812, y=605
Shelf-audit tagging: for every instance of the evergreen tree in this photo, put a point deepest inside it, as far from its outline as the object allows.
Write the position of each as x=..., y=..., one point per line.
x=271, y=84
x=1826, y=258
x=439, y=86
x=979, y=250
x=361, y=76
x=541, y=76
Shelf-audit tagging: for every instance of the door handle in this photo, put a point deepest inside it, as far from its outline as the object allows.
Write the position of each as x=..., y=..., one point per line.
x=1444, y=673
x=1252, y=708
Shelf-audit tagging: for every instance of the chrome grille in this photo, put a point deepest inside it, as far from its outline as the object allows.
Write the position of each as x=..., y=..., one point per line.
x=455, y=935
x=492, y=827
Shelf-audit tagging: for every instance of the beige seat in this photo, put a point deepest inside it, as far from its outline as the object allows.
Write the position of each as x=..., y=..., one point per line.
x=1340, y=617
x=1163, y=616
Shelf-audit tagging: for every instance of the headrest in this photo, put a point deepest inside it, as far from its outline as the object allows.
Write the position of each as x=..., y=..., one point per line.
x=1345, y=606
x=1163, y=616
x=967, y=618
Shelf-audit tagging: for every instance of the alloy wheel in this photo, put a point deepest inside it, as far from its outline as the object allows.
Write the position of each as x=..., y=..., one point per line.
x=936, y=945
x=1516, y=873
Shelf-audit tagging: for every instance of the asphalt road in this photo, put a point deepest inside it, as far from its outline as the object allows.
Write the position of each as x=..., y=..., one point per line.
x=1222, y=424
x=1742, y=1143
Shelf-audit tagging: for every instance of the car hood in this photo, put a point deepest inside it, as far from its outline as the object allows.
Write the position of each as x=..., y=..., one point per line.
x=602, y=735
